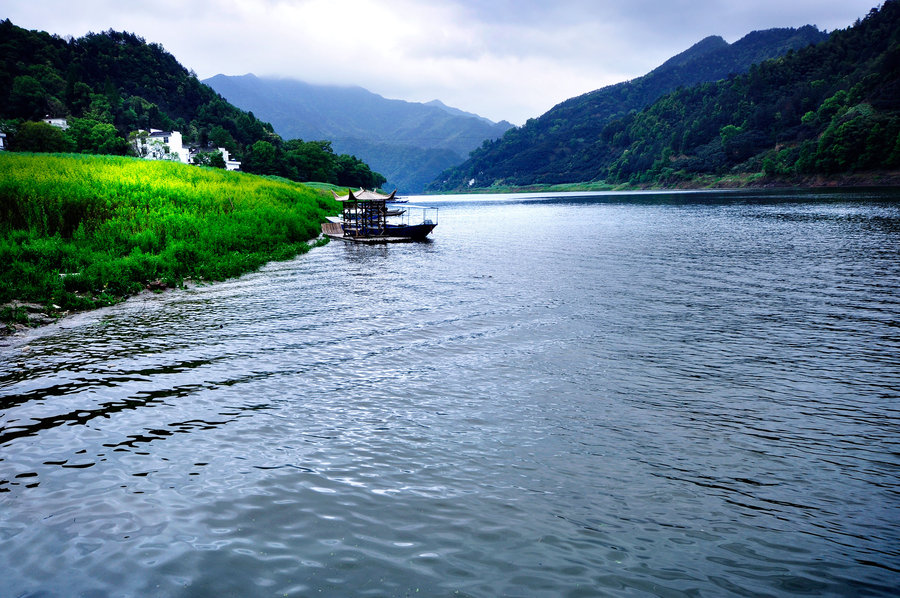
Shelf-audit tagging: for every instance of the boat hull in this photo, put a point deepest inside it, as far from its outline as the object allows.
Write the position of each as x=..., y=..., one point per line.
x=392, y=233
x=412, y=231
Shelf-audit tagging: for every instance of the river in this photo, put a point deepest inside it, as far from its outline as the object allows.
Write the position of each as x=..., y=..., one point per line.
x=632, y=394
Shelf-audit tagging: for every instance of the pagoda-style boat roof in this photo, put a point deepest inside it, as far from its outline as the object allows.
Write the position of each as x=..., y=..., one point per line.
x=363, y=195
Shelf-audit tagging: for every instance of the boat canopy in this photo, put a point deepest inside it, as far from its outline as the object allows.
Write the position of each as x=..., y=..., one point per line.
x=363, y=195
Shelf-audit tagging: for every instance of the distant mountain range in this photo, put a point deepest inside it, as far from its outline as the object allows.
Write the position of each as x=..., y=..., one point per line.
x=558, y=147
x=409, y=143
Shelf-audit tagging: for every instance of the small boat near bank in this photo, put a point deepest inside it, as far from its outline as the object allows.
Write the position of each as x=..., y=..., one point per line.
x=367, y=218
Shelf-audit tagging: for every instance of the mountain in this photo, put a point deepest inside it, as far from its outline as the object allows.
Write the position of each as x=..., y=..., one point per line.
x=553, y=148
x=458, y=112
x=823, y=112
x=410, y=143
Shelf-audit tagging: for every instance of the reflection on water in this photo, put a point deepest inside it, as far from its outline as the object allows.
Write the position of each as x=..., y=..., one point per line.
x=571, y=395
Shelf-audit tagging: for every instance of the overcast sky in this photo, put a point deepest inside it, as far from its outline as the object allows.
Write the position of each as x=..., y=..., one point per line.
x=503, y=59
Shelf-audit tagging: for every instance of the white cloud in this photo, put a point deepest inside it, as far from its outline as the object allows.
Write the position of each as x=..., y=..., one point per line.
x=504, y=59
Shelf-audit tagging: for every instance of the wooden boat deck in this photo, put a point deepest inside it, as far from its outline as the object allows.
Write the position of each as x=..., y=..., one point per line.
x=334, y=231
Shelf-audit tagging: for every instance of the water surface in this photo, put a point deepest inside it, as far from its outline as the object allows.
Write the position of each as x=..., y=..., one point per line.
x=566, y=395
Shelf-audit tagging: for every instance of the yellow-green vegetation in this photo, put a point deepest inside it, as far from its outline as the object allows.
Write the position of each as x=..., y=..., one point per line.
x=541, y=188
x=80, y=231
x=327, y=188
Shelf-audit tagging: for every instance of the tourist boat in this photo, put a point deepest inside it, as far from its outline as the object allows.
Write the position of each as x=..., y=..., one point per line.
x=367, y=217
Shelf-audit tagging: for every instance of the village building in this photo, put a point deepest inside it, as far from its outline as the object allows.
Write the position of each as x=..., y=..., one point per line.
x=59, y=123
x=230, y=163
x=169, y=145
x=161, y=145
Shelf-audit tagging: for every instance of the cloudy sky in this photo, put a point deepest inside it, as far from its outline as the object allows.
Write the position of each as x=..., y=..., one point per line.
x=503, y=59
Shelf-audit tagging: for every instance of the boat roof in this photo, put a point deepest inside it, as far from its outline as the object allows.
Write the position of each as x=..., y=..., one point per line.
x=363, y=195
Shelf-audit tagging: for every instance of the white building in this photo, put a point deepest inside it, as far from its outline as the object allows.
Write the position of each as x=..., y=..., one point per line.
x=60, y=123
x=161, y=145
x=168, y=145
x=229, y=163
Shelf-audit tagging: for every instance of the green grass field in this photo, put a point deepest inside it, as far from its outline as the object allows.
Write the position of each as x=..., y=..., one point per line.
x=79, y=231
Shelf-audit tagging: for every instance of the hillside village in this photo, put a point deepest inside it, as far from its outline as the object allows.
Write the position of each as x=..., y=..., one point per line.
x=163, y=145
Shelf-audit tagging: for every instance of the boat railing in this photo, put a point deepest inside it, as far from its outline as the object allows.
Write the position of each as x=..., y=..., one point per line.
x=422, y=215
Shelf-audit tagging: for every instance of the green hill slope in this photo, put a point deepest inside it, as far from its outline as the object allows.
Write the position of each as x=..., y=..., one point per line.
x=829, y=109
x=558, y=146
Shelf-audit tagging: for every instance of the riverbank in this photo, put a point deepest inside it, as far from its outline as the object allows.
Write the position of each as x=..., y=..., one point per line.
x=711, y=182
x=79, y=232
x=762, y=181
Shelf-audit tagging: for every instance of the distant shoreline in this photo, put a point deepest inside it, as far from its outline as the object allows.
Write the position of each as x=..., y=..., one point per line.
x=884, y=179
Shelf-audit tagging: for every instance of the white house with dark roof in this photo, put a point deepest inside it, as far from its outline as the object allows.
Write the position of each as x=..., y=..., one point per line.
x=169, y=145
x=161, y=145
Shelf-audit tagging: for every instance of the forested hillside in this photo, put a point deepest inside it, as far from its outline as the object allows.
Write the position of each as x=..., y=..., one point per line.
x=559, y=146
x=110, y=84
x=410, y=143
x=824, y=110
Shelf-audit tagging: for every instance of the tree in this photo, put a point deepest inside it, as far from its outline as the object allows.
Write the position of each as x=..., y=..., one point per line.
x=94, y=137
x=315, y=160
x=100, y=108
x=217, y=160
x=79, y=99
x=27, y=98
x=41, y=137
x=353, y=172
x=104, y=139
x=262, y=159
x=212, y=159
x=80, y=133
x=51, y=82
x=220, y=137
